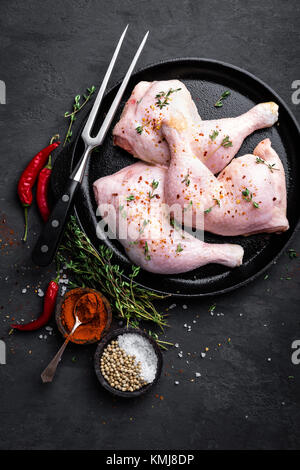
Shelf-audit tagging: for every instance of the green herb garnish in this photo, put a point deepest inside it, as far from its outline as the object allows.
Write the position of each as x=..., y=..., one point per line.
x=188, y=207
x=174, y=224
x=165, y=96
x=292, y=253
x=76, y=108
x=123, y=212
x=145, y=222
x=224, y=95
x=179, y=248
x=207, y=211
x=247, y=196
x=130, y=198
x=154, y=186
x=226, y=142
x=270, y=166
x=139, y=129
x=146, y=251
x=186, y=180
x=214, y=135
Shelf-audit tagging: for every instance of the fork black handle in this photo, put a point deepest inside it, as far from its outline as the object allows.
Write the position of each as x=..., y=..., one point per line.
x=48, y=242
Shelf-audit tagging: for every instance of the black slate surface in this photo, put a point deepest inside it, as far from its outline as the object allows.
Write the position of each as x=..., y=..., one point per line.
x=248, y=392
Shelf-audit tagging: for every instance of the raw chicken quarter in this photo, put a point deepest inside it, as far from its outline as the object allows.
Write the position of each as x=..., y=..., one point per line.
x=160, y=125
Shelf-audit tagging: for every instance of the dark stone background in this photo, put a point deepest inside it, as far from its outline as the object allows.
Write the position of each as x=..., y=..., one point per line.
x=49, y=52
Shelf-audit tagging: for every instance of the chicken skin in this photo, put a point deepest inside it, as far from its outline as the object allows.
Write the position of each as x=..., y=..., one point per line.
x=132, y=203
x=139, y=129
x=249, y=195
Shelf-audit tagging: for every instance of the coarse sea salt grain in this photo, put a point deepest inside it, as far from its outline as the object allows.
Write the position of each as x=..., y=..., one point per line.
x=40, y=293
x=138, y=346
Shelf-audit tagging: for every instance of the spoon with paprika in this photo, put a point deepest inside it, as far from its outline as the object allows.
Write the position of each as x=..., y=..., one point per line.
x=84, y=311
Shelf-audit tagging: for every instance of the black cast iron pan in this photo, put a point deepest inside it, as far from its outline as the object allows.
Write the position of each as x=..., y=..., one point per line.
x=206, y=80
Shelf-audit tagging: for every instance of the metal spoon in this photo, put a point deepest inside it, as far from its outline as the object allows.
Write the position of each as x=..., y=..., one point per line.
x=48, y=374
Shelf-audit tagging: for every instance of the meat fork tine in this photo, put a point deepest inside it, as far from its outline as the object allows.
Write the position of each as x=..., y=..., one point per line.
x=93, y=113
x=48, y=242
x=109, y=117
x=91, y=142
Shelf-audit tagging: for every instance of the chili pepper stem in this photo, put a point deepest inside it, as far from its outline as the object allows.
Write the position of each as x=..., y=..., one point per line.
x=49, y=164
x=26, y=224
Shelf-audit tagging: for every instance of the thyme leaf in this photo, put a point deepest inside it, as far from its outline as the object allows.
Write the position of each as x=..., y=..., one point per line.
x=270, y=166
x=77, y=106
x=165, y=96
x=214, y=135
x=292, y=253
x=186, y=179
x=247, y=196
x=224, y=95
x=146, y=251
x=179, y=248
x=226, y=142
x=139, y=129
x=154, y=186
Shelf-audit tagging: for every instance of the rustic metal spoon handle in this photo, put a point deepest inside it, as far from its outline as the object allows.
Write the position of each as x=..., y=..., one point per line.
x=48, y=374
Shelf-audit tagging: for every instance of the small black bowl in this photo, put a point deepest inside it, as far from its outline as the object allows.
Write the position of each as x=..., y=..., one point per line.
x=99, y=351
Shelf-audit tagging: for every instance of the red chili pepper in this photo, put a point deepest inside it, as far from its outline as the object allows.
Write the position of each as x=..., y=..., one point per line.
x=42, y=192
x=29, y=176
x=42, y=187
x=49, y=304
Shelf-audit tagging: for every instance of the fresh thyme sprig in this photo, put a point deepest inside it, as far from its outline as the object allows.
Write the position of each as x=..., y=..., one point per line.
x=217, y=201
x=186, y=179
x=292, y=253
x=226, y=142
x=247, y=195
x=95, y=269
x=213, y=135
x=140, y=128
x=77, y=106
x=166, y=96
x=224, y=95
x=154, y=186
x=179, y=248
x=270, y=166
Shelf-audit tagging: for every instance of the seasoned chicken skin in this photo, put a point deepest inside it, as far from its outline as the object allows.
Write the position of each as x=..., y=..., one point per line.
x=139, y=129
x=249, y=195
x=132, y=203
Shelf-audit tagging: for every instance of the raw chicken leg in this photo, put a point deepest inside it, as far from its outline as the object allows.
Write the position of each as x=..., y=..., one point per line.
x=249, y=195
x=135, y=195
x=139, y=129
x=216, y=142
